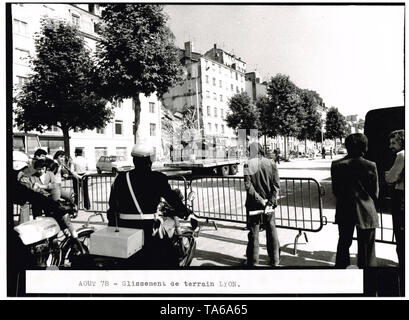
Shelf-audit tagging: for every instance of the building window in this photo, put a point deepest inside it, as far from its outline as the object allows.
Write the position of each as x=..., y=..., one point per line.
x=53, y=129
x=101, y=130
x=21, y=80
x=216, y=127
x=118, y=127
x=221, y=98
x=220, y=84
x=207, y=79
x=20, y=27
x=232, y=87
x=75, y=19
x=215, y=112
x=208, y=111
x=220, y=69
x=237, y=76
x=237, y=89
x=209, y=125
x=207, y=94
x=214, y=81
x=242, y=90
x=222, y=113
x=152, y=107
x=118, y=104
x=222, y=128
x=152, y=129
x=22, y=56
x=214, y=96
x=231, y=74
x=100, y=152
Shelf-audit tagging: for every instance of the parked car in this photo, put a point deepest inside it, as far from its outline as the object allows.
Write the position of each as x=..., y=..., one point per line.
x=341, y=150
x=113, y=164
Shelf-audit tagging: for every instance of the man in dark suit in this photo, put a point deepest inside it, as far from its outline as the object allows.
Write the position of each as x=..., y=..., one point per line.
x=262, y=184
x=355, y=186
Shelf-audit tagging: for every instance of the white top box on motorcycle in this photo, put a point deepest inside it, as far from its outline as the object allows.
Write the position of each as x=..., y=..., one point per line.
x=121, y=244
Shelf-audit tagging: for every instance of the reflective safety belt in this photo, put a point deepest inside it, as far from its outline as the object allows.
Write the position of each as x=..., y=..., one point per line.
x=133, y=195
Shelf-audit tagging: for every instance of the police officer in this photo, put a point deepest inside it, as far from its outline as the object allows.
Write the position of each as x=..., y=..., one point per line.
x=148, y=187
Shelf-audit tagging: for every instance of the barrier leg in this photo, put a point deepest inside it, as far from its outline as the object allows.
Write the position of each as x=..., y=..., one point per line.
x=296, y=241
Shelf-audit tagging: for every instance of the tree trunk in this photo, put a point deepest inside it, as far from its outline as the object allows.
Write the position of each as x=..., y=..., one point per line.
x=335, y=143
x=136, y=103
x=265, y=144
x=66, y=137
x=285, y=147
x=305, y=147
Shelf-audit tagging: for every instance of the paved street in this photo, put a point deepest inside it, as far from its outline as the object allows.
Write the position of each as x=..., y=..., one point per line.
x=226, y=246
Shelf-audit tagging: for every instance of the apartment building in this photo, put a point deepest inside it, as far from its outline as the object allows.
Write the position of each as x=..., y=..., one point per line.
x=117, y=137
x=211, y=79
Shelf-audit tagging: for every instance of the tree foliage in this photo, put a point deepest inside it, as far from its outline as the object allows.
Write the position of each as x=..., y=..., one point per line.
x=60, y=91
x=310, y=119
x=335, y=124
x=281, y=115
x=243, y=114
x=137, y=53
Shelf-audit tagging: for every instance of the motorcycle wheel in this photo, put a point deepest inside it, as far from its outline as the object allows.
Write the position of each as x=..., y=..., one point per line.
x=71, y=249
x=189, y=253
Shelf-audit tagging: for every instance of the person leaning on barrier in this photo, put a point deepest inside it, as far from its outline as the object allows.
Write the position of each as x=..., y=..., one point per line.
x=262, y=184
x=355, y=186
x=148, y=187
x=18, y=256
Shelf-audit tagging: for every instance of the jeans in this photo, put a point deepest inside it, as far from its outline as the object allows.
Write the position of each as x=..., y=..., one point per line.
x=273, y=245
x=366, y=246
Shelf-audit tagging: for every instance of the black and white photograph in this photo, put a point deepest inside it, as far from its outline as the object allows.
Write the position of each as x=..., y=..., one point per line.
x=205, y=150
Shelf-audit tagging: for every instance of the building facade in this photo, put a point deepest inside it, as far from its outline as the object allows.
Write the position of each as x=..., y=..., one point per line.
x=211, y=79
x=117, y=137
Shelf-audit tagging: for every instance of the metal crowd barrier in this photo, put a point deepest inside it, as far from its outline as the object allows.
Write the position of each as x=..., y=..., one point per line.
x=299, y=202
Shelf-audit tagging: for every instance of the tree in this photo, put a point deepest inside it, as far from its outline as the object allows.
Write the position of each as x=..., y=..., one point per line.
x=335, y=125
x=281, y=115
x=59, y=92
x=310, y=119
x=243, y=114
x=137, y=53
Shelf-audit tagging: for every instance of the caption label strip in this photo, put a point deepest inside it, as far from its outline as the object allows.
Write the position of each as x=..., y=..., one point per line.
x=195, y=281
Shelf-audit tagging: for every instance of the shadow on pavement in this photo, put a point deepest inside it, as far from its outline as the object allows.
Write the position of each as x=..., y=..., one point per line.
x=217, y=257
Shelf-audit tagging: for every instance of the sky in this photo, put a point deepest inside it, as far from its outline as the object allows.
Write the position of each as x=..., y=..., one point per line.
x=351, y=55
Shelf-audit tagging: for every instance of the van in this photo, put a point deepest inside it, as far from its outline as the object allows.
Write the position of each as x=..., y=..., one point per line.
x=26, y=142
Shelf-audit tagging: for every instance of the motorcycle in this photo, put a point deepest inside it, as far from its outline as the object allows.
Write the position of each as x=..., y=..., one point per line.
x=182, y=239
x=51, y=241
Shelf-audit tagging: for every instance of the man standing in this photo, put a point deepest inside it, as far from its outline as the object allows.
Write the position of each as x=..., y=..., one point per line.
x=355, y=186
x=133, y=203
x=79, y=169
x=396, y=177
x=262, y=184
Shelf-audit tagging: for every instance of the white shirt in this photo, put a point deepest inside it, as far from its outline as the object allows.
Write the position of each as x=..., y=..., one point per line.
x=80, y=165
x=397, y=174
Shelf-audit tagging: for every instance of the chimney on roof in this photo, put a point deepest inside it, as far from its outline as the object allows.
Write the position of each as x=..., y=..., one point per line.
x=215, y=46
x=188, y=49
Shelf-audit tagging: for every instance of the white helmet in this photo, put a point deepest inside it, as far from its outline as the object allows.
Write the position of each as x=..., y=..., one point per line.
x=142, y=148
x=20, y=160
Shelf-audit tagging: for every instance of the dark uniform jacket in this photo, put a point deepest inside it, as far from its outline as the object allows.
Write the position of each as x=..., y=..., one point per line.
x=148, y=187
x=261, y=181
x=355, y=185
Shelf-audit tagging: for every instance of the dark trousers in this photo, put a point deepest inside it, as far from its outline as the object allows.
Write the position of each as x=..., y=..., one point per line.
x=366, y=246
x=398, y=218
x=77, y=186
x=253, y=245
